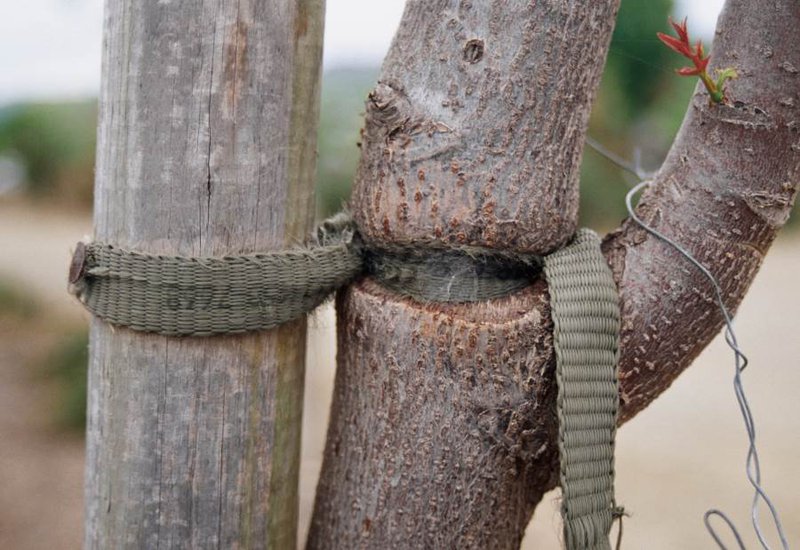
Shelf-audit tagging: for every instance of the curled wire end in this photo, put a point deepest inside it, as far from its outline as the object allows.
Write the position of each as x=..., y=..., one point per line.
x=712, y=531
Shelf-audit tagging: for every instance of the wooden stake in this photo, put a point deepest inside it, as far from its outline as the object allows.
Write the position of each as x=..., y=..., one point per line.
x=206, y=146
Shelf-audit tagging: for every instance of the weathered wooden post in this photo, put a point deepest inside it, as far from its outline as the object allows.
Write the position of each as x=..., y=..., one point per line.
x=206, y=146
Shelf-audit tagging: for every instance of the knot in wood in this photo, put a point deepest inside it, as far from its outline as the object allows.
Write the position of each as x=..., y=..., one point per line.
x=473, y=50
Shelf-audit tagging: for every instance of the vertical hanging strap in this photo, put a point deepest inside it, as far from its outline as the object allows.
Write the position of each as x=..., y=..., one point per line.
x=586, y=315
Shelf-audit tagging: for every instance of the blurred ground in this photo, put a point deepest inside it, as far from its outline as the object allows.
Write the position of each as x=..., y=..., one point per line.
x=681, y=456
x=41, y=464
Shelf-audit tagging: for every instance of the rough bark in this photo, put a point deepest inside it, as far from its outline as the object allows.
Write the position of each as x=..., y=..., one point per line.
x=444, y=435
x=459, y=148
x=206, y=146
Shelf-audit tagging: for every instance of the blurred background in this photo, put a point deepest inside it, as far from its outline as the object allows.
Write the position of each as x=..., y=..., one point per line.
x=678, y=458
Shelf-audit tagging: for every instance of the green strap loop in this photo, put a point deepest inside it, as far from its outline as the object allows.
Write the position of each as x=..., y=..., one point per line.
x=195, y=296
x=184, y=296
x=586, y=318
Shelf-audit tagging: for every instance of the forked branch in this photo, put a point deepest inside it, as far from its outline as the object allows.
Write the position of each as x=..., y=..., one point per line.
x=442, y=431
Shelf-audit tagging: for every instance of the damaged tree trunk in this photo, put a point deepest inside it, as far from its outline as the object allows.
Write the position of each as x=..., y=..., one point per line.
x=206, y=146
x=443, y=426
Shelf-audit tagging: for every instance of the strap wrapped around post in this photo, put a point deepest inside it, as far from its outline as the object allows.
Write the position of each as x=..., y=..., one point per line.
x=202, y=296
x=186, y=296
x=586, y=316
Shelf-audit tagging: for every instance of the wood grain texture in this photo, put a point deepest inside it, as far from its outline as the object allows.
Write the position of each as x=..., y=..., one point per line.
x=474, y=133
x=408, y=447
x=206, y=146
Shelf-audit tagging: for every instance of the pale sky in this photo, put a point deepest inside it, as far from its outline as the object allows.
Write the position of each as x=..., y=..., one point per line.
x=50, y=49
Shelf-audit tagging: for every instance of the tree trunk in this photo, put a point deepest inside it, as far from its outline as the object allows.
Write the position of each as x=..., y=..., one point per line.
x=206, y=146
x=443, y=426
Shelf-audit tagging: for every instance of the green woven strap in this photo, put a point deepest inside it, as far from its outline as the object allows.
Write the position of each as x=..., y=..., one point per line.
x=175, y=295
x=586, y=315
x=196, y=296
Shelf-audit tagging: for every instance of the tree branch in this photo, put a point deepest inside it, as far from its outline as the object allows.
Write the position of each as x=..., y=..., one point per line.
x=725, y=189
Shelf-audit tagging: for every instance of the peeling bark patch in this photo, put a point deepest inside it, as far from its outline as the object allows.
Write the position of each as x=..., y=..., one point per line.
x=473, y=50
x=772, y=207
x=387, y=111
x=788, y=67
